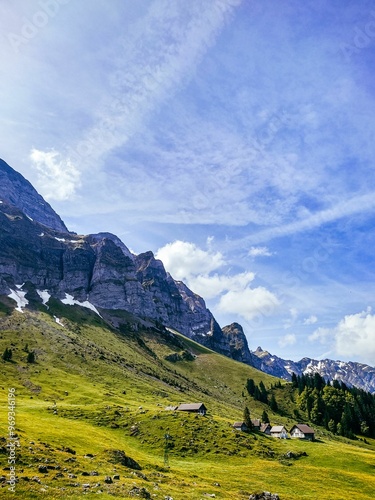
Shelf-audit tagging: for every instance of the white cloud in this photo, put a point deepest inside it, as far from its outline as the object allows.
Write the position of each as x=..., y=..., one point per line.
x=189, y=263
x=259, y=252
x=288, y=339
x=184, y=260
x=322, y=335
x=352, y=337
x=58, y=178
x=249, y=303
x=212, y=286
x=288, y=323
x=310, y=320
x=355, y=336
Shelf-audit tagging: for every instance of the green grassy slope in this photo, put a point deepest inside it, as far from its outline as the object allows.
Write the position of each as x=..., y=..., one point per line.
x=96, y=395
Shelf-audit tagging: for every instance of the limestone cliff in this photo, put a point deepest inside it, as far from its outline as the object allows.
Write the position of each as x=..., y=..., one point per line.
x=17, y=191
x=100, y=269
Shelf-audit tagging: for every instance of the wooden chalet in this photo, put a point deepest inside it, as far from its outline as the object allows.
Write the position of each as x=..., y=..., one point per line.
x=193, y=408
x=240, y=426
x=302, y=431
x=279, y=431
x=256, y=424
x=266, y=428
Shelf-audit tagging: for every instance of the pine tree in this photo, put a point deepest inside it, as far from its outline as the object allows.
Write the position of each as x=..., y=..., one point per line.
x=332, y=426
x=263, y=392
x=7, y=356
x=273, y=403
x=247, y=418
x=265, y=417
x=250, y=386
x=31, y=357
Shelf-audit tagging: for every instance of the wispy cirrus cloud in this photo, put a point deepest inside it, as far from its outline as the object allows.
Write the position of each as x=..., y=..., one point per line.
x=157, y=57
x=259, y=252
x=357, y=204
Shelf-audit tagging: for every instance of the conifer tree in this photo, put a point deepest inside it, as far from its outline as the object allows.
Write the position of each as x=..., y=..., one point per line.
x=247, y=418
x=7, y=356
x=265, y=417
x=31, y=357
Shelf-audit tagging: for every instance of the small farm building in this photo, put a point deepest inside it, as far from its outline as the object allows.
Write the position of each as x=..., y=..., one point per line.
x=256, y=423
x=240, y=426
x=266, y=428
x=302, y=431
x=279, y=431
x=193, y=408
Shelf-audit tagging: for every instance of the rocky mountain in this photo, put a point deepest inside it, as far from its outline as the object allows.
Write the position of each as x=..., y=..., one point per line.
x=39, y=257
x=239, y=348
x=352, y=374
x=17, y=191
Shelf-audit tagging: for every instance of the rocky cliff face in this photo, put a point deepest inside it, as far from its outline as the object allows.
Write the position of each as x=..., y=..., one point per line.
x=352, y=374
x=239, y=348
x=99, y=269
x=17, y=191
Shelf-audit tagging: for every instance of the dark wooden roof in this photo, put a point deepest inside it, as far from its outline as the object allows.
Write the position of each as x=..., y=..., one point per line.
x=303, y=428
x=191, y=407
x=239, y=424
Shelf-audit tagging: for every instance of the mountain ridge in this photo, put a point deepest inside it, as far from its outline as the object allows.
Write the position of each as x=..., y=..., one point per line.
x=96, y=269
x=99, y=270
x=351, y=373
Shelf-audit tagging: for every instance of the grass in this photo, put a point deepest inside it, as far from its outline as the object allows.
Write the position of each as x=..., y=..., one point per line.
x=95, y=389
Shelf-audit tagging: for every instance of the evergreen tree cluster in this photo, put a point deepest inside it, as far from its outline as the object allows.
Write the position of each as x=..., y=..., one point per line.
x=340, y=409
x=260, y=393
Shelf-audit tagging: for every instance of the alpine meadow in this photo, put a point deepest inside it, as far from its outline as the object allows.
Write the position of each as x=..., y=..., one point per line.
x=187, y=284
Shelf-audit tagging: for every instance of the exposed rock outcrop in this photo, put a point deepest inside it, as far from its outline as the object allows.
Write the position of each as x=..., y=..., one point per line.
x=239, y=348
x=17, y=191
x=100, y=269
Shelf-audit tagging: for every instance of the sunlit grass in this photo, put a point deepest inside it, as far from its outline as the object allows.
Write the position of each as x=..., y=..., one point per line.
x=94, y=389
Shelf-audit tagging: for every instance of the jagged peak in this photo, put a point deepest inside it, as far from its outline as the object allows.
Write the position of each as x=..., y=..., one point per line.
x=20, y=193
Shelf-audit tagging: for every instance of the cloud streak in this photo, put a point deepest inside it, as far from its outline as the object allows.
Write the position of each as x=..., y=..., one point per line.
x=153, y=61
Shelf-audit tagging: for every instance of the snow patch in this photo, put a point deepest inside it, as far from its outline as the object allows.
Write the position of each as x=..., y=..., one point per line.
x=29, y=218
x=70, y=301
x=41, y=234
x=19, y=297
x=59, y=239
x=44, y=295
x=20, y=286
x=58, y=321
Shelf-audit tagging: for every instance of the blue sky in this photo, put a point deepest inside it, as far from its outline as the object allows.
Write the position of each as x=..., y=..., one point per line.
x=233, y=138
